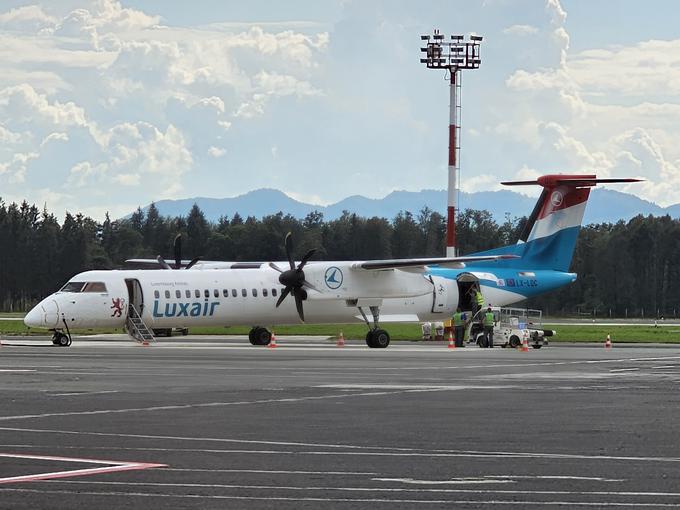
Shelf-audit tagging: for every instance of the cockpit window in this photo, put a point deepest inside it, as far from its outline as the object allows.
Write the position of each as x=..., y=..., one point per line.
x=72, y=287
x=84, y=287
x=94, y=287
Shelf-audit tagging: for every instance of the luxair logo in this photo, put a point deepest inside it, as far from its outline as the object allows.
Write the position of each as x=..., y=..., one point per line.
x=333, y=277
x=556, y=199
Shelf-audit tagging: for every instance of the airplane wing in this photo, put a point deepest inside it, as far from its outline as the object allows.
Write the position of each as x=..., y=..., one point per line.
x=455, y=262
x=201, y=264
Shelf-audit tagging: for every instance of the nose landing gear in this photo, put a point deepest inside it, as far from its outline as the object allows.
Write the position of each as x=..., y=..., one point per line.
x=60, y=339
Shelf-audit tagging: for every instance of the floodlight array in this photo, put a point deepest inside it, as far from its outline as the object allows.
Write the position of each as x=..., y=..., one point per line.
x=454, y=54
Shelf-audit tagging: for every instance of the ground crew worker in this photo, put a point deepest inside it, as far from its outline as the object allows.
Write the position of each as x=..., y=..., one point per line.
x=478, y=299
x=489, y=322
x=459, y=319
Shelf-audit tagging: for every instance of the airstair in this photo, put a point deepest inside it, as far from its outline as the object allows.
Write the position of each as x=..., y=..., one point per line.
x=136, y=327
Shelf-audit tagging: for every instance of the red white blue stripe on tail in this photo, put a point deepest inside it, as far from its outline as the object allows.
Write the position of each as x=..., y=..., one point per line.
x=549, y=238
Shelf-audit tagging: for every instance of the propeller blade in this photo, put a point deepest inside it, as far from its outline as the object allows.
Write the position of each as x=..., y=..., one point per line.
x=275, y=267
x=305, y=283
x=177, y=245
x=298, y=304
x=285, y=292
x=289, y=249
x=192, y=263
x=163, y=263
x=308, y=256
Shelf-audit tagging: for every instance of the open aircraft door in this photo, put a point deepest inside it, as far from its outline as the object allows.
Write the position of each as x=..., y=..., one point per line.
x=444, y=294
x=135, y=295
x=466, y=282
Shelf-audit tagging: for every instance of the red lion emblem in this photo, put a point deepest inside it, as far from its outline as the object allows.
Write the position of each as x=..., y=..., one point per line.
x=117, y=307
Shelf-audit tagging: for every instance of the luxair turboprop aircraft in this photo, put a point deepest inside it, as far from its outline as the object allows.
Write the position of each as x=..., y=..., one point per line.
x=401, y=290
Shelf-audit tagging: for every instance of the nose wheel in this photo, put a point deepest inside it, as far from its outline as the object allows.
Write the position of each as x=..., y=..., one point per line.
x=61, y=339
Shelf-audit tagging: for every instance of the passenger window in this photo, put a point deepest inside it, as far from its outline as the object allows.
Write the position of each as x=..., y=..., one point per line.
x=254, y=292
x=233, y=292
x=244, y=292
x=197, y=293
x=94, y=287
x=216, y=293
x=167, y=294
x=178, y=294
x=187, y=293
x=274, y=292
x=264, y=292
x=206, y=293
x=225, y=292
x=156, y=294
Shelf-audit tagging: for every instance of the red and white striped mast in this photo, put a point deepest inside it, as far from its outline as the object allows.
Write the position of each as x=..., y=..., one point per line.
x=453, y=56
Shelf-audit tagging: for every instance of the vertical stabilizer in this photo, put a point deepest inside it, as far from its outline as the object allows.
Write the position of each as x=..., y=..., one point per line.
x=549, y=237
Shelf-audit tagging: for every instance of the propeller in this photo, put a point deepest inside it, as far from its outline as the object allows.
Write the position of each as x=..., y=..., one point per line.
x=177, y=248
x=293, y=279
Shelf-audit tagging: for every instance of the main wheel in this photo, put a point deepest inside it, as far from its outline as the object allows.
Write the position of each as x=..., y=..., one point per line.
x=251, y=336
x=369, y=339
x=261, y=336
x=63, y=341
x=381, y=338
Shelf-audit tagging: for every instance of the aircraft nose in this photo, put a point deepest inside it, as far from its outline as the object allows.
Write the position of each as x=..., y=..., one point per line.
x=35, y=318
x=44, y=315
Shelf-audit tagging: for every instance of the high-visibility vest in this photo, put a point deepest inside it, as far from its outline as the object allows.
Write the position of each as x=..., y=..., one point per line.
x=489, y=319
x=458, y=319
x=479, y=298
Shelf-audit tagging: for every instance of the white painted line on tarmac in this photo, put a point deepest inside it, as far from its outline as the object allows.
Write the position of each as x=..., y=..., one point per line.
x=377, y=489
x=271, y=471
x=624, y=369
x=207, y=404
x=412, y=502
x=4, y=370
x=81, y=393
x=355, y=449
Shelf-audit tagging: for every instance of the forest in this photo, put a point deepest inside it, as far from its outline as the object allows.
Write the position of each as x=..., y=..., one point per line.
x=626, y=269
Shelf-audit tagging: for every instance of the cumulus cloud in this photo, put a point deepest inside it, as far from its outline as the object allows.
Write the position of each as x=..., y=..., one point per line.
x=114, y=99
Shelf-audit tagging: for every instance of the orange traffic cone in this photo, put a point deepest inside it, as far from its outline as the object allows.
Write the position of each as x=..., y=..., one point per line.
x=341, y=340
x=608, y=343
x=452, y=344
x=525, y=343
x=272, y=342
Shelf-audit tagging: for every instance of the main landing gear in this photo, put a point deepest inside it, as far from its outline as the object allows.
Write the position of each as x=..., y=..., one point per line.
x=376, y=338
x=259, y=336
x=61, y=339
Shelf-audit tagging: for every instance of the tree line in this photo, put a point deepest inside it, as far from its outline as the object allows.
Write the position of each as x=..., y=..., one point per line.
x=627, y=268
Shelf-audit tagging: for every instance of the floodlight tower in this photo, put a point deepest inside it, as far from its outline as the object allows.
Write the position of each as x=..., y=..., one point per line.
x=453, y=56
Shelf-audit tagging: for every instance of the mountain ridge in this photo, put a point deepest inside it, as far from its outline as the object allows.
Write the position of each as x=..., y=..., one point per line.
x=605, y=205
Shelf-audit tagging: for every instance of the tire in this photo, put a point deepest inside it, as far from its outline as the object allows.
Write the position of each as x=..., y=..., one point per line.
x=262, y=336
x=515, y=342
x=536, y=346
x=381, y=339
x=481, y=341
x=64, y=341
x=185, y=331
x=369, y=339
x=251, y=336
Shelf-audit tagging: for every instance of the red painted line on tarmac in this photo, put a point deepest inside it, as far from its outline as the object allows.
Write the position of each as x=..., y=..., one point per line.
x=112, y=466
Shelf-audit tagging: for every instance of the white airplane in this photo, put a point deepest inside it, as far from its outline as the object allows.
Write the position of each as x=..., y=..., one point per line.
x=400, y=290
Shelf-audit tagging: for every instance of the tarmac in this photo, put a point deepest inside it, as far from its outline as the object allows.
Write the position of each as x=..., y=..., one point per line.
x=217, y=423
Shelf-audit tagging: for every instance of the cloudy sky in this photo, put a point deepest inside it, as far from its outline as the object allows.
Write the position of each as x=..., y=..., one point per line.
x=106, y=105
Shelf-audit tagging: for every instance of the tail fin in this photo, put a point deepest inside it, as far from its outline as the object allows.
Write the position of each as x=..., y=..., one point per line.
x=549, y=238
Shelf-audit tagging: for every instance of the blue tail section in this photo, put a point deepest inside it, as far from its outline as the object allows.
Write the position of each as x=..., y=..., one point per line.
x=551, y=252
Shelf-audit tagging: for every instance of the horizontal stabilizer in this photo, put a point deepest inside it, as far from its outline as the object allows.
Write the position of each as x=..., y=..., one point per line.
x=551, y=181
